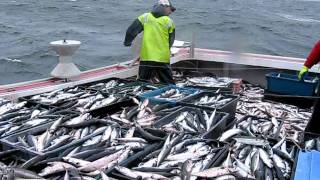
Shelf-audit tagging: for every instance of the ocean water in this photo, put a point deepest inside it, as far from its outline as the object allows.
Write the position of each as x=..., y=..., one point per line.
x=285, y=27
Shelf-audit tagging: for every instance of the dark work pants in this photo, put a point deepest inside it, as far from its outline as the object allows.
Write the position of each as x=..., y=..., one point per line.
x=316, y=111
x=314, y=124
x=149, y=70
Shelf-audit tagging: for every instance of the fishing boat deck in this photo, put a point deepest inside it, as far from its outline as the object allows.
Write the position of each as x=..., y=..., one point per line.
x=208, y=60
x=110, y=109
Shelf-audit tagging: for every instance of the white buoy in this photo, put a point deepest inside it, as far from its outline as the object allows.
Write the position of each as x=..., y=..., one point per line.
x=65, y=49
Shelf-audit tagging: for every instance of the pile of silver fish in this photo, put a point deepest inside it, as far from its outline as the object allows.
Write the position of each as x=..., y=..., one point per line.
x=59, y=96
x=85, y=104
x=77, y=99
x=252, y=92
x=16, y=116
x=258, y=159
x=293, y=127
x=129, y=144
x=255, y=108
x=135, y=89
x=212, y=101
x=143, y=114
x=266, y=127
x=253, y=128
x=312, y=144
x=106, y=85
x=172, y=94
x=294, y=119
x=179, y=157
x=64, y=131
x=108, y=146
x=251, y=104
x=7, y=107
x=14, y=172
x=262, y=161
x=206, y=81
x=192, y=122
x=94, y=101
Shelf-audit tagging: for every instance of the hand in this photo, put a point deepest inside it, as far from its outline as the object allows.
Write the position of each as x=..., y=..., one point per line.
x=134, y=62
x=302, y=72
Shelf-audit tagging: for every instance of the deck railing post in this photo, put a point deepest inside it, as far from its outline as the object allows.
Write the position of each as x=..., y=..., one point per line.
x=192, y=47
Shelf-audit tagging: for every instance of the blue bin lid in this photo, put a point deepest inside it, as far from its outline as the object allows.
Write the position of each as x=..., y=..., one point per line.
x=308, y=167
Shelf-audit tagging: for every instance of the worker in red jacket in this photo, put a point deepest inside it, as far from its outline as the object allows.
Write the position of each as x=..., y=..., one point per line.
x=313, y=58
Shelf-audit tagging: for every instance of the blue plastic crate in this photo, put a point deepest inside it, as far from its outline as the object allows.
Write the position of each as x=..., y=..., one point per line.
x=290, y=84
x=308, y=166
x=151, y=95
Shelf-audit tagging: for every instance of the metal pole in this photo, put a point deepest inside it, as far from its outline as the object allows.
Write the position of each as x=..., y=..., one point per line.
x=192, y=47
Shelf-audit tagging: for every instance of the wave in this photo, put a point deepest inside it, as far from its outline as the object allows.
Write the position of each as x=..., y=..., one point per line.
x=300, y=19
x=18, y=4
x=11, y=60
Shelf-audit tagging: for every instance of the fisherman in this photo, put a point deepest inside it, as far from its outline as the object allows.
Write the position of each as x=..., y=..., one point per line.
x=158, y=37
x=313, y=58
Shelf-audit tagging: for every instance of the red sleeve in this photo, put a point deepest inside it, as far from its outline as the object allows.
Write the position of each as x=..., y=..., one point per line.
x=314, y=56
